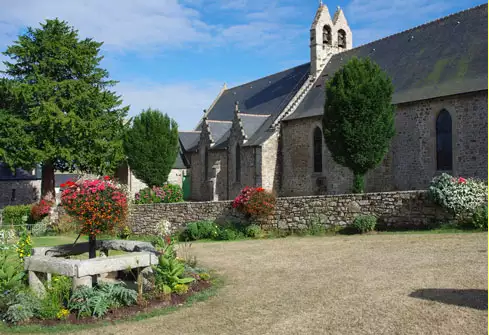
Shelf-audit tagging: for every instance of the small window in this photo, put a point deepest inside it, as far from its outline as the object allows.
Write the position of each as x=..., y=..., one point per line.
x=327, y=40
x=318, y=150
x=444, y=154
x=12, y=198
x=341, y=39
x=206, y=164
x=238, y=163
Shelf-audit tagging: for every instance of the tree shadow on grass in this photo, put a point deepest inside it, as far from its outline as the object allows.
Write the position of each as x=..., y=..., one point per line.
x=471, y=298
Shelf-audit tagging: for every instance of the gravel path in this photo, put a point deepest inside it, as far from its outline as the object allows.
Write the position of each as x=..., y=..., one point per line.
x=377, y=284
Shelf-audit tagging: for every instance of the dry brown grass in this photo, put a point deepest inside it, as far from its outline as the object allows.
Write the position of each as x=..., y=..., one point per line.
x=337, y=285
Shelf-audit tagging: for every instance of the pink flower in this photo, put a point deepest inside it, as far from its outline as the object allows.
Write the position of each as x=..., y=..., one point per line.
x=461, y=180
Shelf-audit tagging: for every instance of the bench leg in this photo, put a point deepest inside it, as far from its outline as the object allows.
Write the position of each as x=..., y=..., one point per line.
x=82, y=281
x=36, y=284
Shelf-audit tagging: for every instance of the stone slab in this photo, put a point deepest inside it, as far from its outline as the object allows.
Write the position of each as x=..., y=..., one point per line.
x=99, y=265
x=47, y=264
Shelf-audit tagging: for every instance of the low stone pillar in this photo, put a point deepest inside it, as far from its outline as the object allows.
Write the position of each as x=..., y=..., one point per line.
x=36, y=284
x=82, y=281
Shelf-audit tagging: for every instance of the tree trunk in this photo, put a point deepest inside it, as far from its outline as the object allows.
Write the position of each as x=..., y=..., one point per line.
x=358, y=182
x=47, y=183
x=92, y=246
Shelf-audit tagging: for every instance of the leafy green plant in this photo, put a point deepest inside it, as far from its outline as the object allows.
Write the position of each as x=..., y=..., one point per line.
x=57, y=296
x=208, y=229
x=479, y=218
x=364, y=223
x=16, y=215
x=41, y=227
x=124, y=233
x=96, y=301
x=254, y=231
x=169, y=272
x=181, y=289
x=316, y=228
x=11, y=272
x=227, y=234
x=204, y=276
x=22, y=307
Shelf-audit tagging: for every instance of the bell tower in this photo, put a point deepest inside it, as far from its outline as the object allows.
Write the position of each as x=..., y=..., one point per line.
x=328, y=37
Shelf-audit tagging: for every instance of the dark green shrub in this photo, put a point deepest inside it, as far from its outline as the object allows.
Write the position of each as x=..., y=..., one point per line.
x=365, y=223
x=208, y=229
x=254, y=231
x=191, y=232
x=23, y=306
x=16, y=215
x=479, y=218
x=227, y=234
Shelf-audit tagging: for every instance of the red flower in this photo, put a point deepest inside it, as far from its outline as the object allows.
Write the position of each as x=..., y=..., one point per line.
x=106, y=178
x=461, y=180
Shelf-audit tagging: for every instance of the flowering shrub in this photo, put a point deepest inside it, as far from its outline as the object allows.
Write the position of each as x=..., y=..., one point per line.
x=255, y=201
x=165, y=194
x=24, y=245
x=40, y=210
x=98, y=205
x=459, y=196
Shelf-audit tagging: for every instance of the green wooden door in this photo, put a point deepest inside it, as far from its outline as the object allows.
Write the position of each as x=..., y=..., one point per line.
x=186, y=187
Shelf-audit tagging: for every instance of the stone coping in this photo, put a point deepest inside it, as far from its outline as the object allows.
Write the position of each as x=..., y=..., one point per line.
x=81, y=248
x=323, y=196
x=80, y=268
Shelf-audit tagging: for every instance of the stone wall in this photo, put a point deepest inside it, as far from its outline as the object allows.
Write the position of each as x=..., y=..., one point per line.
x=411, y=161
x=20, y=192
x=411, y=208
x=270, y=172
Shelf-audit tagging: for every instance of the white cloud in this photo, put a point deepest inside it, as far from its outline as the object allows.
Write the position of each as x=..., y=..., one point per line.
x=184, y=102
x=123, y=24
x=380, y=18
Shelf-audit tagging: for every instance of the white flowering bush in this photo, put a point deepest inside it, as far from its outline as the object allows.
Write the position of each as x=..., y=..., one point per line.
x=459, y=196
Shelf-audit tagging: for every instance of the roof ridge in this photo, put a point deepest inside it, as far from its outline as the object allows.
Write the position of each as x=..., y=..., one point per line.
x=188, y=131
x=220, y=121
x=269, y=75
x=255, y=115
x=415, y=27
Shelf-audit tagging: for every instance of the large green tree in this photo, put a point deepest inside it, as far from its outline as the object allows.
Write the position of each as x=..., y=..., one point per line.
x=358, y=119
x=56, y=108
x=151, y=145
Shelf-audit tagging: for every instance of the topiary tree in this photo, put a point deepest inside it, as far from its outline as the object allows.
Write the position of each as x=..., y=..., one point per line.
x=358, y=121
x=151, y=146
x=56, y=108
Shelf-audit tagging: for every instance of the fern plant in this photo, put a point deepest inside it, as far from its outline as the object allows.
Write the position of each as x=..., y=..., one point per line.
x=97, y=301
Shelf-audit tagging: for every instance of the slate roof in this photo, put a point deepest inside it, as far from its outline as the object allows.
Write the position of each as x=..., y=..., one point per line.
x=189, y=139
x=180, y=162
x=218, y=129
x=19, y=174
x=267, y=95
x=252, y=122
x=439, y=58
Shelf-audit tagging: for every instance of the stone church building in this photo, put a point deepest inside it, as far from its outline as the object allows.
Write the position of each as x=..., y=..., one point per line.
x=268, y=132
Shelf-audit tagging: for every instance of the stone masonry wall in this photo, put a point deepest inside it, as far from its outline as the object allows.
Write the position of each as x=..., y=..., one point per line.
x=411, y=208
x=26, y=192
x=411, y=161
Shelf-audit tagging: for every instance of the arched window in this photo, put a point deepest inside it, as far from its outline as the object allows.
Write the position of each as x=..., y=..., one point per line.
x=206, y=164
x=318, y=150
x=341, y=39
x=444, y=141
x=327, y=35
x=238, y=163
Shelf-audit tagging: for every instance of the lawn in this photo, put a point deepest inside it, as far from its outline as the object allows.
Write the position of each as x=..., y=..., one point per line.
x=375, y=284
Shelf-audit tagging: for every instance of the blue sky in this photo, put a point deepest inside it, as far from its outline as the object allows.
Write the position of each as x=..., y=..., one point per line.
x=175, y=55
